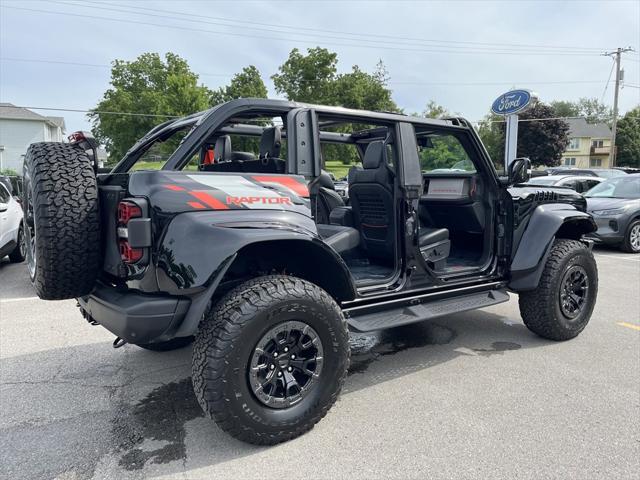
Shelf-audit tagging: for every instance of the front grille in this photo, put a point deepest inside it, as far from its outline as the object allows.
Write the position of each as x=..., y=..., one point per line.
x=546, y=196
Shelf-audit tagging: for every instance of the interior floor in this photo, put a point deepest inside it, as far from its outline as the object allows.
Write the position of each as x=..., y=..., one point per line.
x=365, y=270
x=466, y=251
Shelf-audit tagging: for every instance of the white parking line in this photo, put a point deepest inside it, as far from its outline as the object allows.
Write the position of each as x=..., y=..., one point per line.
x=23, y=299
x=617, y=257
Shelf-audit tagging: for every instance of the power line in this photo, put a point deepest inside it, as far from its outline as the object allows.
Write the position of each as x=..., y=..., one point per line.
x=393, y=82
x=606, y=85
x=100, y=65
x=101, y=112
x=395, y=38
x=384, y=47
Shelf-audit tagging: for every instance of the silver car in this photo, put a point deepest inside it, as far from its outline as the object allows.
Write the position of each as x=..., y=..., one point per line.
x=579, y=183
x=615, y=206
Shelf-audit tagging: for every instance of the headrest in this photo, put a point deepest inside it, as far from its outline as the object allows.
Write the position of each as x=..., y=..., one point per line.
x=270, y=143
x=322, y=180
x=222, y=149
x=374, y=155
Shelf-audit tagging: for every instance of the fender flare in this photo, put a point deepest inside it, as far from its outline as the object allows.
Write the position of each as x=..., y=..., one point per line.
x=547, y=222
x=210, y=242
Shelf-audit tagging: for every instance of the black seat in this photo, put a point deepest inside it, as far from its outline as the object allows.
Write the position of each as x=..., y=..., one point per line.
x=324, y=198
x=434, y=246
x=341, y=239
x=371, y=195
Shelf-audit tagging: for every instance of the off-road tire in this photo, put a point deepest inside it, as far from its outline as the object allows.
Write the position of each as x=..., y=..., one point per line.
x=227, y=336
x=540, y=308
x=626, y=243
x=173, y=344
x=60, y=202
x=17, y=256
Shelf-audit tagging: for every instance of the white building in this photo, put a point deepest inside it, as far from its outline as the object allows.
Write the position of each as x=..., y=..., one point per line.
x=20, y=127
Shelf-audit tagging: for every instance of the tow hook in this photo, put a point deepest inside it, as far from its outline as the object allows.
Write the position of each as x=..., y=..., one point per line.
x=119, y=342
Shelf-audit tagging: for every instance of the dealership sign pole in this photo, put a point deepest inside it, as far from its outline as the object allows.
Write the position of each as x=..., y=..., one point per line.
x=509, y=105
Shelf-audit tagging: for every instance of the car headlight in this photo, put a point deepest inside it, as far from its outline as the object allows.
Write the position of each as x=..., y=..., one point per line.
x=606, y=213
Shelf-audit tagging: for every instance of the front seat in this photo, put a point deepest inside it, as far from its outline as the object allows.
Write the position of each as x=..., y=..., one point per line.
x=371, y=196
x=324, y=198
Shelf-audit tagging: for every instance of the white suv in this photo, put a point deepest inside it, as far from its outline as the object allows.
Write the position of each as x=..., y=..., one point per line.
x=11, y=238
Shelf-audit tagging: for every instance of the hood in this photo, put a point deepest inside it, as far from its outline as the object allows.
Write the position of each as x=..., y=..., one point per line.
x=595, y=203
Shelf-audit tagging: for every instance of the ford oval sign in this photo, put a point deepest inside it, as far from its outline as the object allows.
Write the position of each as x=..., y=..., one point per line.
x=513, y=102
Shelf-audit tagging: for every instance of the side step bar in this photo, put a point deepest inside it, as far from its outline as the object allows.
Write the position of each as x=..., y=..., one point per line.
x=404, y=315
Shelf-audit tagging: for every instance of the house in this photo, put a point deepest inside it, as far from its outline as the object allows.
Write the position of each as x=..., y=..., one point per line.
x=20, y=127
x=589, y=144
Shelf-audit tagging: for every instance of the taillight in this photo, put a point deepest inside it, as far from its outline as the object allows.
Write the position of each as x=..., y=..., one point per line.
x=127, y=211
x=128, y=254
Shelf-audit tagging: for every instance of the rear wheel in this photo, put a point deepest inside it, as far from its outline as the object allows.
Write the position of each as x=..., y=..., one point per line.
x=18, y=254
x=561, y=306
x=631, y=241
x=270, y=359
x=61, y=220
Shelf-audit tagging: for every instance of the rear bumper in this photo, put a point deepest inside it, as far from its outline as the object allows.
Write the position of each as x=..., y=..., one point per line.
x=135, y=317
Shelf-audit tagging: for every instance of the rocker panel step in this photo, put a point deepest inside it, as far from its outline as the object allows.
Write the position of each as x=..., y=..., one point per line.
x=416, y=313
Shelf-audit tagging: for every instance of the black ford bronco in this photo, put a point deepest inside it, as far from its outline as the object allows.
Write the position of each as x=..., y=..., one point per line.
x=222, y=228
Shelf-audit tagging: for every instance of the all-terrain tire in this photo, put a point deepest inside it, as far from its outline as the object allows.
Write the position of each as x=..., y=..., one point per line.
x=541, y=308
x=60, y=202
x=18, y=254
x=228, y=337
x=630, y=244
x=173, y=344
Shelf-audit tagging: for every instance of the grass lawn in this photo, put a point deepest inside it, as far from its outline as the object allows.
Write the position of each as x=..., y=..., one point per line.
x=338, y=168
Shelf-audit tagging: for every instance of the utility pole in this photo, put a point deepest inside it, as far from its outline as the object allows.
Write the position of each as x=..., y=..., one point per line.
x=618, y=53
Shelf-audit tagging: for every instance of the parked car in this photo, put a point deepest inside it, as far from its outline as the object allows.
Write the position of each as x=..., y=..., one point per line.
x=615, y=205
x=13, y=184
x=578, y=183
x=628, y=169
x=11, y=231
x=233, y=254
x=592, y=172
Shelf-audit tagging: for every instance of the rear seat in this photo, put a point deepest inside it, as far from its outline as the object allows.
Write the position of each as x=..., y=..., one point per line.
x=341, y=239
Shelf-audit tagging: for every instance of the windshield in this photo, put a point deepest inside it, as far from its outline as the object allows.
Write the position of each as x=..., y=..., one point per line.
x=610, y=173
x=619, y=187
x=542, y=181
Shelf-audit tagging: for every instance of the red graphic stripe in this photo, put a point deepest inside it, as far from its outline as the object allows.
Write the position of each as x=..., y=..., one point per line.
x=196, y=205
x=175, y=188
x=210, y=201
x=291, y=183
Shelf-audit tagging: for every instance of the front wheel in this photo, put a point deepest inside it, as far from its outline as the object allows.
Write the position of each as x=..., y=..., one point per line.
x=270, y=358
x=561, y=306
x=18, y=255
x=631, y=241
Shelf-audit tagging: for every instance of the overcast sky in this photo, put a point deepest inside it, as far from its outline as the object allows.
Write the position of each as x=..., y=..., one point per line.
x=462, y=54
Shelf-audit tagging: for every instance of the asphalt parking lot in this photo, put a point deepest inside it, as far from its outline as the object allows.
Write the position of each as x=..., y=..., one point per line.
x=473, y=395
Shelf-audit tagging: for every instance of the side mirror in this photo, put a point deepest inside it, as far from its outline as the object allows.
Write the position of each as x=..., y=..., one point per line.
x=519, y=171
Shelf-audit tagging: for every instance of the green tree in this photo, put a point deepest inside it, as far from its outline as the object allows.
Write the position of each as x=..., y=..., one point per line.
x=246, y=84
x=543, y=142
x=434, y=110
x=149, y=86
x=307, y=78
x=360, y=90
x=628, y=139
x=590, y=108
x=564, y=108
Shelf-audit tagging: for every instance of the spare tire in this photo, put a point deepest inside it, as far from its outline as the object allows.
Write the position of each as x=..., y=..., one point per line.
x=61, y=220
